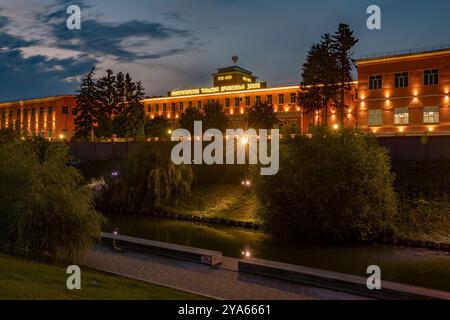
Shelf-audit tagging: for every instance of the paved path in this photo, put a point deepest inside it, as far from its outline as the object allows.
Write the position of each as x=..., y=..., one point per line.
x=220, y=283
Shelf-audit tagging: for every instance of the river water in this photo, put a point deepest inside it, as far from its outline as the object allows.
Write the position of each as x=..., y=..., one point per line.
x=410, y=266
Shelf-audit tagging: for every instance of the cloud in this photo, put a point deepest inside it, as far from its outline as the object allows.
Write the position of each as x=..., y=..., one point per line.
x=39, y=56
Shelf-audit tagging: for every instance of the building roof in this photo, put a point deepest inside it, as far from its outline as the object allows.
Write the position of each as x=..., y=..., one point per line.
x=234, y=69
x=37, y=100
x=401, y=54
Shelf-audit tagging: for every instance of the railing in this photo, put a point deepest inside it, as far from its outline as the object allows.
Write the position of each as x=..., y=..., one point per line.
x=404, y=52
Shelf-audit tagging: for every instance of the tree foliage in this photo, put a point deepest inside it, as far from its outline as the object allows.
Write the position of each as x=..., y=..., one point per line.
x=187, y=119
x=327, y=73
x=87, y=108
x=335, y=185
x=262, y=116
x=156, y=127
x=214, y=117
x=46, y=211
x=111, y=105
x=147, y=178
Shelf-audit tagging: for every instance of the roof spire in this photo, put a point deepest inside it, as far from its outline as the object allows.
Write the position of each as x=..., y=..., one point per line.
x=235, y=59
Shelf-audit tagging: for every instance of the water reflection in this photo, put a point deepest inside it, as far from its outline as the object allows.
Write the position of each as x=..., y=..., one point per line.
x=411, y=266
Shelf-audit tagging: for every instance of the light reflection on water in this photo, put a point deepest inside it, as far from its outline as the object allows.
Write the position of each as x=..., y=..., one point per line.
x=410, y=266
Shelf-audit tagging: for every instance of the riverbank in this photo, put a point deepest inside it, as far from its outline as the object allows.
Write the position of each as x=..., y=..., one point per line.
x=418, y=267
x=28, y=280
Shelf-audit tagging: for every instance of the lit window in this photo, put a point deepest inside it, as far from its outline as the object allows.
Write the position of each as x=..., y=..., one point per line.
x=375, y=82
x=293, y=98
x=281, y=99
x=401, y=116
x=199, y=104
x=431, y=77
x=269, y=99
x=164, y=107
x=401, y=80
x=237, y=102
x=156, y=108
x=227, y=103
x=431, y=115
x=375, y=118
x=247, y=101
x=173, y=107
x=258, y=100
x=149, y=108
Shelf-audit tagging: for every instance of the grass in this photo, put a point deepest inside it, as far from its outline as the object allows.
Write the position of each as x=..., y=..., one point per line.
x=232, y=202
x=26, y=280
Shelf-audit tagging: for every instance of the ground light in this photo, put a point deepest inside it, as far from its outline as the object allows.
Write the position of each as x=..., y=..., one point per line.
x=114, y=247
x=246, y=183
x=246, y=253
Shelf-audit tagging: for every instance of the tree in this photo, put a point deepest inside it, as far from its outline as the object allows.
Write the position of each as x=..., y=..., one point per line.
x=120, y=94
x=156, y=127
x=87, y=109
x=319, y=79
x=108, y=100
x=187, y=119
x=214, y=117
x=262, y=116
x=344, y=41
x=135, y=111
x=334, y=185
x=55, y=219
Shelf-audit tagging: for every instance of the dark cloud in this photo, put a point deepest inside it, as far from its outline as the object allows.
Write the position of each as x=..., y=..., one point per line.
x=37, y=76
x=100, y=38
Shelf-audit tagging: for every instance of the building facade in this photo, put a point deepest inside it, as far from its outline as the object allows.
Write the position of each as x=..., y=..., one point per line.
x=51, y=117
x=237, y=90
x=405, y=94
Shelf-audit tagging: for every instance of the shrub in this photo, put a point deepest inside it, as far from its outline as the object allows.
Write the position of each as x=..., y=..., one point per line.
x=334, y=185
x=45, y=209
x=146, y=178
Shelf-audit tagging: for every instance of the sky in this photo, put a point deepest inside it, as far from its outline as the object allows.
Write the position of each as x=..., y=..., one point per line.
x=169, y=44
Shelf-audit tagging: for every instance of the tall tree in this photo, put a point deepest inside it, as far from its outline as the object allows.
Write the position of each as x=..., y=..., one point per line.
x=262, y=116
x=344, y=41
x=319, y=78
x=135, y=111
x=120, y=94
x=86, y=108
x=188, y=118
x=157, y=127
x=108, y=100
x=214, y=117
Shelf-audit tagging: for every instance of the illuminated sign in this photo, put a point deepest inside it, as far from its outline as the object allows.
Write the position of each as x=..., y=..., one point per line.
x=239, y=87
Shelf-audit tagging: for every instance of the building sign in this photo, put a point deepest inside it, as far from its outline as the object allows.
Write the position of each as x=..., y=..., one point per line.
x=240, y=87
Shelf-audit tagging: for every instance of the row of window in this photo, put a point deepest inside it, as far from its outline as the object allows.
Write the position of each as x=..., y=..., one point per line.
x=33, y=111
x=401, y=116
x=430, y=77
x=236, y=103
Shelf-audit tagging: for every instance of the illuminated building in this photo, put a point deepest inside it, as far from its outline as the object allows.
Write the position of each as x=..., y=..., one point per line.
x=236, y=90
x=405, y=94
x=51, y=117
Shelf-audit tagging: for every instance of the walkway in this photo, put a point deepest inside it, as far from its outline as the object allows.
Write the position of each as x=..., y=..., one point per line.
x=219, y=283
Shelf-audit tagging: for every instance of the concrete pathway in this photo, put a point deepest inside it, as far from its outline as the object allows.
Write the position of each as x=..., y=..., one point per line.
x=219, y=283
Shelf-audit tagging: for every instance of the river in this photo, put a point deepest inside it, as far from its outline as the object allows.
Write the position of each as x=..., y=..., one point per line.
x=410, y=266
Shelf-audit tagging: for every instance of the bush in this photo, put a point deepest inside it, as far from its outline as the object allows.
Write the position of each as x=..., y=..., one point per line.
x=146, y=178
x=334, y=186
x=45, y=209
x=423, y=217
